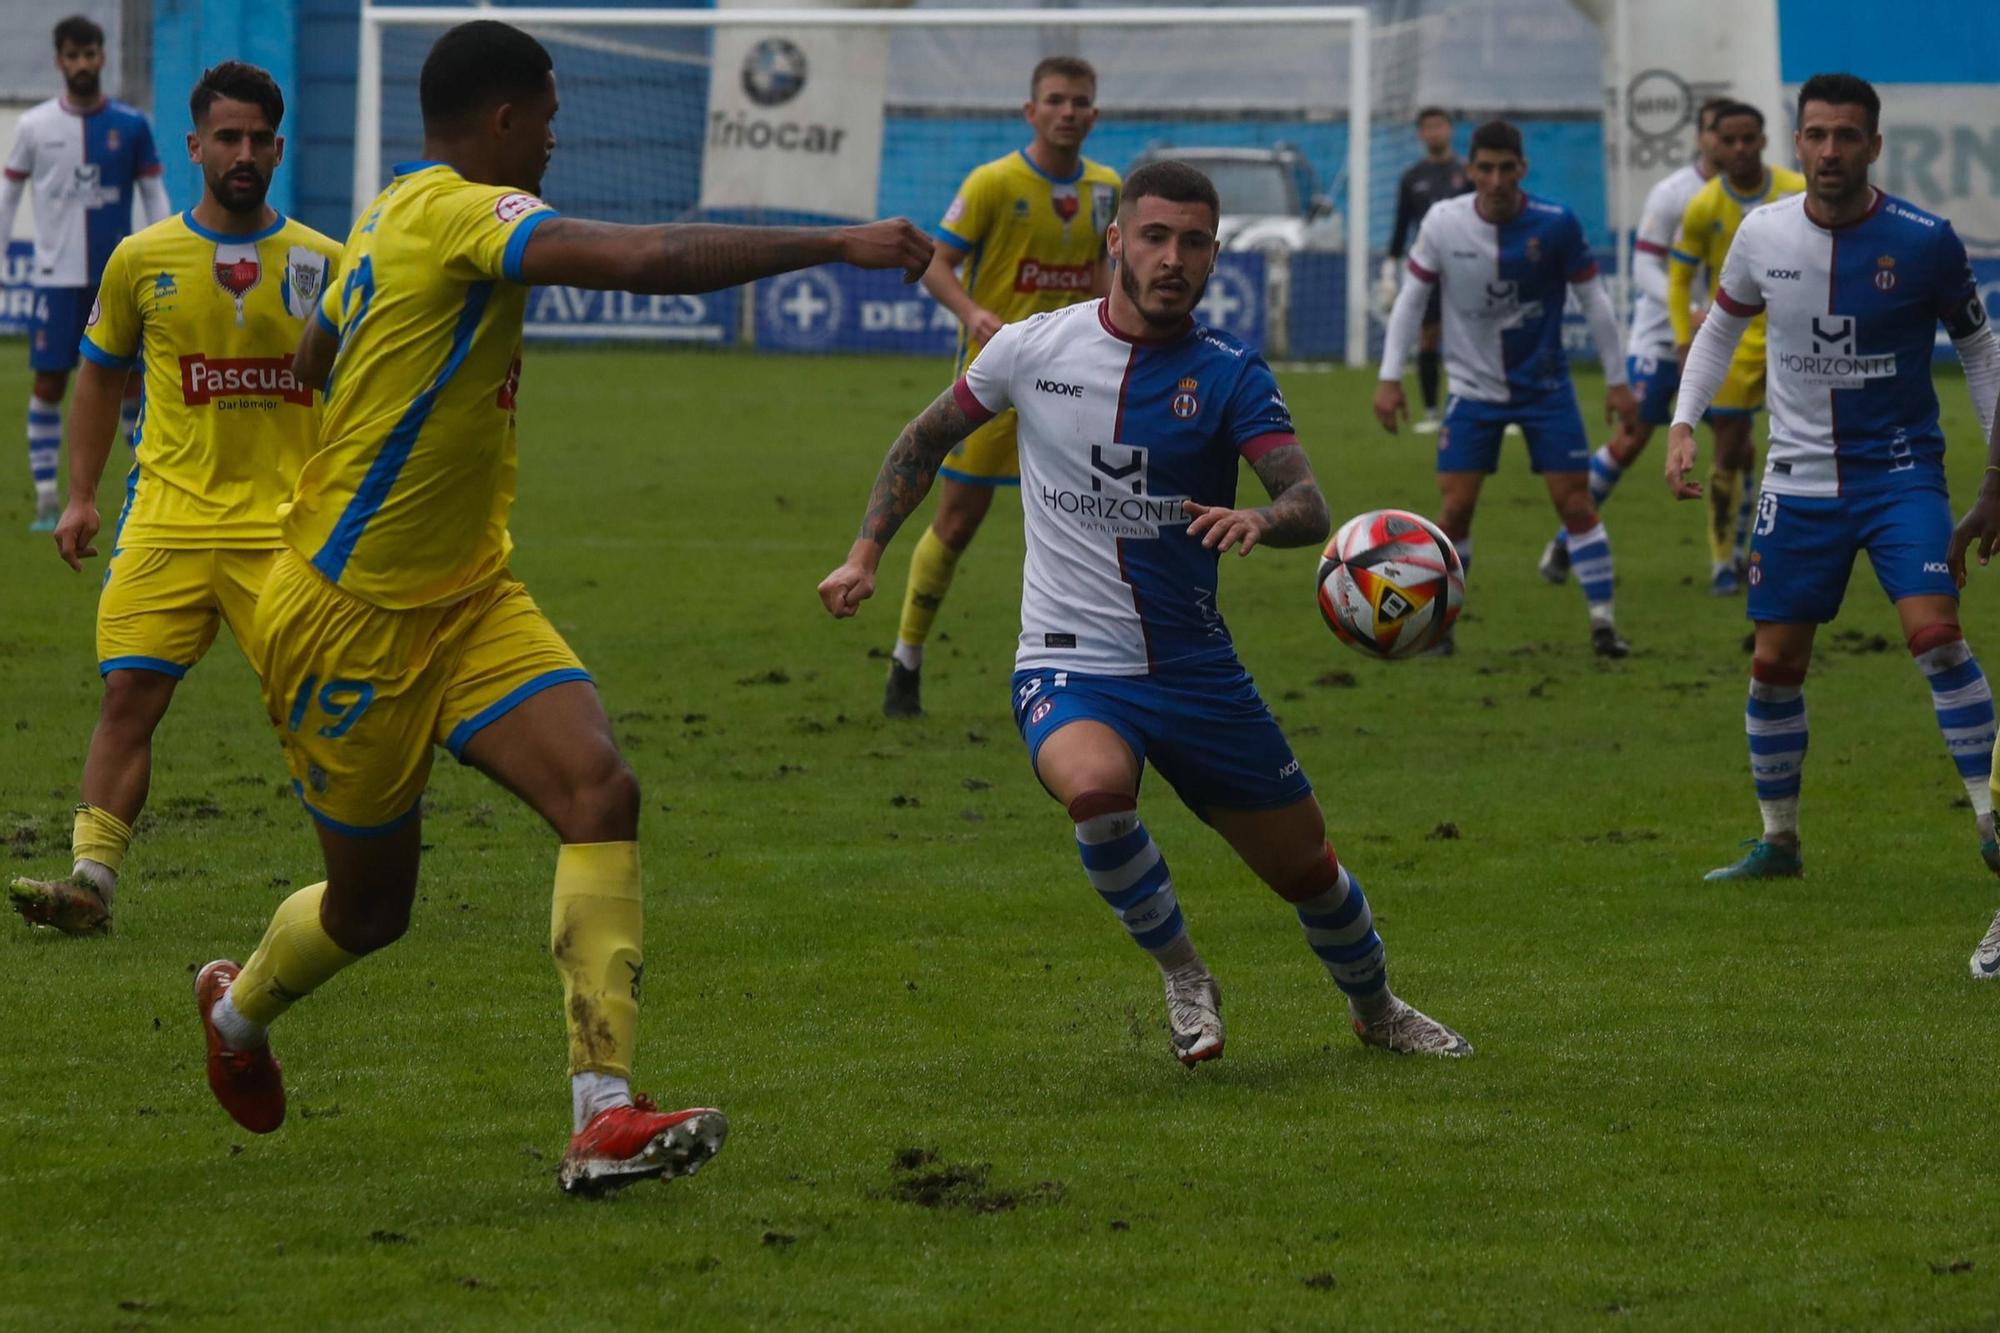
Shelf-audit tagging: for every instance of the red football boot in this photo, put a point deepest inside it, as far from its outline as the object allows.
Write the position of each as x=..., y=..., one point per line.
x=627, y=1144
x=249, y=1084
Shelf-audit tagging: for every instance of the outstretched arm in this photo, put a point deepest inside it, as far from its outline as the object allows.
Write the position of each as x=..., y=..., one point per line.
x=900, y=486
x=704, y=257
x=1296, y=515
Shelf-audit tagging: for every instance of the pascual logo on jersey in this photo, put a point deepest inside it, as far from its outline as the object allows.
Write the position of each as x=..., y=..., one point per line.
x=1119, y=502
x=1032, y=275
x=205, y=380
x=1060, y=390
x=1833, y=362
x=509, y=207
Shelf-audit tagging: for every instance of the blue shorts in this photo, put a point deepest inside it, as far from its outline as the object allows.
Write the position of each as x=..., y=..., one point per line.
x=1655, y=380
x=1204, y=728
x=1802, y=550
x=1470, y=439
x=55, y=330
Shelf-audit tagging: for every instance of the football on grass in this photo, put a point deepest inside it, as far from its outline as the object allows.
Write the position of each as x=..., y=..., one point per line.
x=1390, y=583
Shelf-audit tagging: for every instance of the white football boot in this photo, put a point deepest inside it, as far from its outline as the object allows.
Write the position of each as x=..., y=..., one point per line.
x=1986, y=958
x=1194, y=1013
x=1406, y=1030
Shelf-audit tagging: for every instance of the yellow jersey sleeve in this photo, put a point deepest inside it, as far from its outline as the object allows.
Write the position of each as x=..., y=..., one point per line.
x=111, y=333
x=1689, y=253
x=482, y=233
x=972, y=210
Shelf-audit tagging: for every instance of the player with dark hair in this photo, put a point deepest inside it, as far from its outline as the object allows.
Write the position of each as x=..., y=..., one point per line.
x=1440, y=175
x=1652, y=364
x=1853, y=283
x=1028, y=228
x=209, y=303
x=391, y=623
x=1708, y=225
x=1129, y=492
x=85, y=155
x=1505, y=262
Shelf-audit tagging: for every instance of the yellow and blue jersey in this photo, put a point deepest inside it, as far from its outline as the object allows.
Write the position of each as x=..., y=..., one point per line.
x=1708, y=227
x=406, y=502
x=1032, y=242
x=224, y=426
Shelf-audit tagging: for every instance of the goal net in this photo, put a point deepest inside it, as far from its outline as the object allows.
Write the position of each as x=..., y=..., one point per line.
x=832, y=114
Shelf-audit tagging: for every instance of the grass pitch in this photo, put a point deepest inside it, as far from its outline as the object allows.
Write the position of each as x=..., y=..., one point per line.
x=946, y=1068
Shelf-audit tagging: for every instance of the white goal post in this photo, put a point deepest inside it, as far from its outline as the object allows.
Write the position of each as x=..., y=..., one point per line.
x=1350, y=23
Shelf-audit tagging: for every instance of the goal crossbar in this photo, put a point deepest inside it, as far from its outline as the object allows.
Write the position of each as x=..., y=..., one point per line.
x=376, y=18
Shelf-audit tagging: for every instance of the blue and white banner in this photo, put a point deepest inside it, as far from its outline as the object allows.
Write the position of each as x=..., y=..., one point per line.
x=571, y=312
x=842, y=309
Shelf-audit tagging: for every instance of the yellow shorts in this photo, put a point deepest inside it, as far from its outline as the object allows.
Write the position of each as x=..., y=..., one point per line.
x=987, y=456
x=1742, y=388
x=160, y=608
x=359, y=693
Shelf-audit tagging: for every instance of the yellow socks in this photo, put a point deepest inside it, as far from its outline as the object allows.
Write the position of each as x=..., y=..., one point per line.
x=931, y=571
x=1725, y=492
x=596, y=928
x=100, y=836
x=296, y=957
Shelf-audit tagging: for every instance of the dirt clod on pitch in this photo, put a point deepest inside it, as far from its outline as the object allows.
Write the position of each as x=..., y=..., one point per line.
x=1444, y=832
x=1336, y=680
x=923, y=1180
x=1320, y=1281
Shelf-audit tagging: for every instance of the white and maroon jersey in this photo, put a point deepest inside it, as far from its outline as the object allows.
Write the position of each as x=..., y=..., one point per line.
x=1853, y=314
x=83, y=168
x=1114, y=434
x=1652, y=327
x=1503, y=291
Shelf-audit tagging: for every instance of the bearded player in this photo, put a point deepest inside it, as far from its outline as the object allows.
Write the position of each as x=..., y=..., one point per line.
x=211, y=302
x=1129, y=491
x=1028, y=230
x=390, y=622
x=84, y=155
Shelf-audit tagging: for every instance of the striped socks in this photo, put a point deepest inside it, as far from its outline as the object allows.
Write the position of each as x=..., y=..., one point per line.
x=1128, y=872
x=1340, y=930
x=1775, y=721
x=44, y=447
x=1964, y=705
x=1590, y=560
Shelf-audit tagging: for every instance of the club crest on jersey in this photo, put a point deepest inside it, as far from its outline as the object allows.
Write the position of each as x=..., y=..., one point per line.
x=96, y=313
x=508, y=207
x=237, y=271
x=304, y=281
x=1885, y=273
x=1186, y=404
x=1065, y=203
x=1103, y=206
x=1534, y=249
x=111, y=140
x=1020, y=208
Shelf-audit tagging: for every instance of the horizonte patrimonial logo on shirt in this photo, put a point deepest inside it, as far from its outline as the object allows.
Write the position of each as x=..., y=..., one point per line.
x=241, y=381
x=1831, y=361
x=1117, y=499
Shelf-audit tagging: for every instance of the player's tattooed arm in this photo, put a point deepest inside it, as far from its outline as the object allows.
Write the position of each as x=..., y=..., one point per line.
x=1296, y=516
x=900, y=487
x=912, y=465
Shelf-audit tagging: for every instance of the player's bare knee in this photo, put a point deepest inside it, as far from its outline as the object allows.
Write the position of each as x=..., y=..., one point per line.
x=362, y=923
x=1306, y=876
x=134, y=702
x=1578, y=512
x=603, y=804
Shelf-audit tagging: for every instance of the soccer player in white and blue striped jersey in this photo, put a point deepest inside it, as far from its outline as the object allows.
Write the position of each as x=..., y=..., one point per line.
x=1132, y=420
x=1505, y=263
x=1855, y=283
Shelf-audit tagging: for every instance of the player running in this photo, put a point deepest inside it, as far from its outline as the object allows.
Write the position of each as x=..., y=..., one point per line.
x=1133, y=417
x=1652, y=362
x=390, y=622
x=1707, y=228
x=1438, y=175
x=85, y=155
x=1852, y=282
x=1029, y=229
x=210, y=303
x=1505, y=261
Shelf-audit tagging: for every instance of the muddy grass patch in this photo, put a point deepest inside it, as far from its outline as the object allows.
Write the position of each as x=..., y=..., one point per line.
x=920, y=1178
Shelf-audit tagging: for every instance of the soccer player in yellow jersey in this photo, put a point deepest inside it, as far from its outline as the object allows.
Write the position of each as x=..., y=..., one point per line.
x=390, y=622
x=1029, y=230
x=212, y=302
x=1707, y=227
